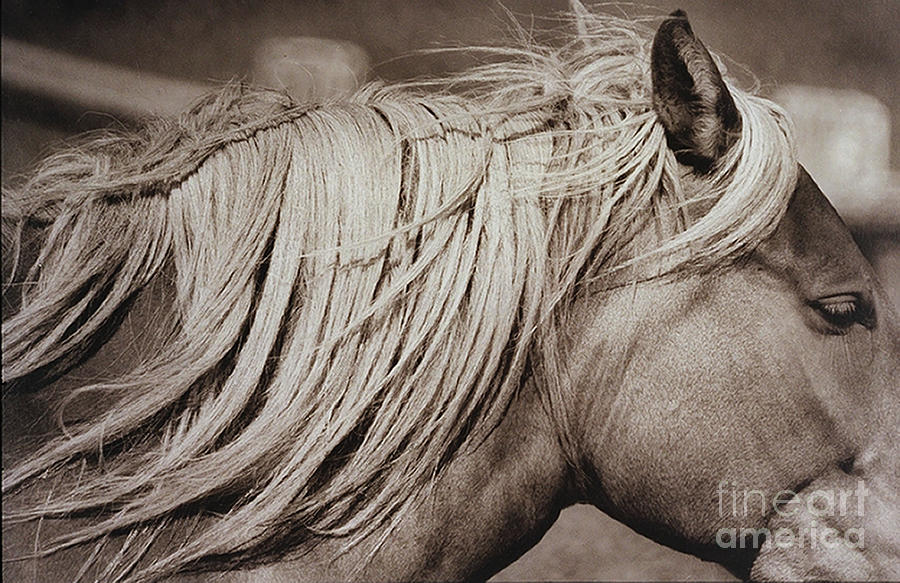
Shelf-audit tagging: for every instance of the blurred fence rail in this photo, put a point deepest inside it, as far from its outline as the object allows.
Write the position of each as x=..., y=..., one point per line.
x=307, y=68
x=91, y=85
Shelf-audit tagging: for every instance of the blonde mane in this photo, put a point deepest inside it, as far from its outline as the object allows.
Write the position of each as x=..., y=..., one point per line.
x=361, y=287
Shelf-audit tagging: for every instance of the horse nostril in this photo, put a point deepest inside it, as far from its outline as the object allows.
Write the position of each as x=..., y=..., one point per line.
x=848, y=465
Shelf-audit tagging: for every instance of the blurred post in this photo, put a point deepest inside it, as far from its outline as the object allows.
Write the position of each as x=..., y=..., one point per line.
x=844, y=142
x=309, y=68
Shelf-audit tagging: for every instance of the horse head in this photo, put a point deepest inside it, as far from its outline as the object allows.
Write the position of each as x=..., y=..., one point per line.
x=754, y=406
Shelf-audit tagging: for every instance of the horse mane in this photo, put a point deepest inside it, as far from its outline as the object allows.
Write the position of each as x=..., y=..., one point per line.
x=360, y=287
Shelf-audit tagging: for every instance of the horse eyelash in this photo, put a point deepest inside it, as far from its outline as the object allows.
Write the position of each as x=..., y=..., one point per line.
x=843, y=311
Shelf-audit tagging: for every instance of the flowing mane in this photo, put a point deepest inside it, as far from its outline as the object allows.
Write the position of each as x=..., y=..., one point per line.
x=361, y=287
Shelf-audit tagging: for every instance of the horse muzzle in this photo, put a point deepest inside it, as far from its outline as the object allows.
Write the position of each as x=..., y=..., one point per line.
x=843, y=526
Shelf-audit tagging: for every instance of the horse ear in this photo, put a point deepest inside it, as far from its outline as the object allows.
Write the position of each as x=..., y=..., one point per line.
x=690, y=97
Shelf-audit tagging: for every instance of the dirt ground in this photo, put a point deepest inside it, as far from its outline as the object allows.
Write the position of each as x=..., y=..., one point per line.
x=843, y=45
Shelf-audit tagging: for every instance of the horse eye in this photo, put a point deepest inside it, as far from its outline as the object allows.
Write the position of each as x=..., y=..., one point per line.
x=840, y=312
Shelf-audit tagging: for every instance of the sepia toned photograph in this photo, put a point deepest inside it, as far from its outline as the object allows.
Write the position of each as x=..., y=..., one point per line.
x=450, y=290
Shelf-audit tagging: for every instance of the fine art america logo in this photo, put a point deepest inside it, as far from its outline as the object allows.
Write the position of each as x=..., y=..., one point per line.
x=806, y=516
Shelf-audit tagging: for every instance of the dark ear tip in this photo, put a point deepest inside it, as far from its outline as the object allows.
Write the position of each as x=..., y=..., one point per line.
x=677, y=21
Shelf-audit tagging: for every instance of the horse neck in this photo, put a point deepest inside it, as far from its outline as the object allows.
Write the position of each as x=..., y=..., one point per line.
x=484, y=512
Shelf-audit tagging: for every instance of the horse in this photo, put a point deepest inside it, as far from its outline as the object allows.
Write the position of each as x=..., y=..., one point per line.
x=405, y=329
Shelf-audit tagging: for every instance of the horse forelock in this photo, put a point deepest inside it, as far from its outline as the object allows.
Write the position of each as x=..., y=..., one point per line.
x=362, y=287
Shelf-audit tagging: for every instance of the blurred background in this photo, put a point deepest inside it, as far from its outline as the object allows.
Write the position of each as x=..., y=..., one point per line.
x=833, y=64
